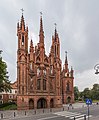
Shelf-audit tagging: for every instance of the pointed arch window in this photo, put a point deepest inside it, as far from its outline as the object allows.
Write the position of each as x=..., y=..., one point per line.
x=44, y=84
x=22, y=40
x=44, y=71
x=38, y=84
x=51, y=86
x=51, y=69
x=66, y=74
x=31, y=87
x=38, y=71
x=68, y=86
x=31, y=66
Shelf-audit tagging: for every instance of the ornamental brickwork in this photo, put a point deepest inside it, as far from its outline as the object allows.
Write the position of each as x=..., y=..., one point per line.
x=42, y=83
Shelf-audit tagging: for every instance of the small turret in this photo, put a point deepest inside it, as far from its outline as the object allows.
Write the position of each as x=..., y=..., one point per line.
x=66, y=62
x=31, y=46
x=71, y=72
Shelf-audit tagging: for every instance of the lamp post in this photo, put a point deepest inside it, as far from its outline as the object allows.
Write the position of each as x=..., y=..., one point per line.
x=96, y=67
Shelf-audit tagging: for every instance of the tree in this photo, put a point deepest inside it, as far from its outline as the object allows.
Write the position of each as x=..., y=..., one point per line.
x=86, y=93
x=95, y=92
x=4, y=82
x=76, y=93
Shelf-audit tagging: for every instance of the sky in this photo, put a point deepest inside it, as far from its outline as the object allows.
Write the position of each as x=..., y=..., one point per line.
x=77, y=25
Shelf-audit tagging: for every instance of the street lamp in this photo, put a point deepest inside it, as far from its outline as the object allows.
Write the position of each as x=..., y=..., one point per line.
x=96, y=67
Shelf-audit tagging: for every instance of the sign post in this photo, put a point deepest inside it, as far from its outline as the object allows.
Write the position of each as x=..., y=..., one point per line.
x=88, y=102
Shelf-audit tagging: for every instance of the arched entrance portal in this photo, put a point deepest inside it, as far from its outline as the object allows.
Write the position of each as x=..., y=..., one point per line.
x=51, y=103
x=41, y=103
x=68, y=99
x=31, y=104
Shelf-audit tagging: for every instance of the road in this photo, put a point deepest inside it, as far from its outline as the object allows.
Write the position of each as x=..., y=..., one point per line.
x=78, y=113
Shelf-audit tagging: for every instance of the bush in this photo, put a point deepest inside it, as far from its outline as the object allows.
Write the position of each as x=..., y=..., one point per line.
x=7, y=104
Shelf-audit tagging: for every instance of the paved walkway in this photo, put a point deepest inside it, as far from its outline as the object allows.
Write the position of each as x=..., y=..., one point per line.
x=23, y=113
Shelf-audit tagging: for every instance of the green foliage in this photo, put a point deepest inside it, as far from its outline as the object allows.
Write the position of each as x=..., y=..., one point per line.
x=4, y=82
x=76, y=93
x=95, y=92
x=87, y=93
x=8, y=106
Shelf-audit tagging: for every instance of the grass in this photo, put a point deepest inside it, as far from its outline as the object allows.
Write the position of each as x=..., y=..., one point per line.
x=94, y=101
x=9, y=107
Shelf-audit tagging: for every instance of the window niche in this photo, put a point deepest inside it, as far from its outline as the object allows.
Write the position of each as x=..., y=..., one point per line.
x=22, y=39
x=68, y=87
x=38, y=71
x=44, y=72
x=44, y=84
x=38, y=84
x=51, y=69
x=31, y=66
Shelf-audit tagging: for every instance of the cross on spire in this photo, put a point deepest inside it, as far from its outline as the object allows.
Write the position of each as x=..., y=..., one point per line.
x=41, y=13
x=66, y=53
x=55, y=25
x=22, y=10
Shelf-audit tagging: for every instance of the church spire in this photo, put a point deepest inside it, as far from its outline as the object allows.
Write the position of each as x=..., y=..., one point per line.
x=41, y=33
x=55, y=32
x=31, y=46
x=66, y=61
x=22, y=23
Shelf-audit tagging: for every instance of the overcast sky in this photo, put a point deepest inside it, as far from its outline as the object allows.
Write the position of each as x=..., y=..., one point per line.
x=77, y=25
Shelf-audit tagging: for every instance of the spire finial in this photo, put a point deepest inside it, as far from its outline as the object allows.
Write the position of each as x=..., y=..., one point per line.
x=66, y=57
x=41, y=13
x=22, y=24
x=41, y=23
x=55, y=31
x=55, y=25
x=22, y=10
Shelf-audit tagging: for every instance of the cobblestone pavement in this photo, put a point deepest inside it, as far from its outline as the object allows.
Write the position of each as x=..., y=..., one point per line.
x=45, y=114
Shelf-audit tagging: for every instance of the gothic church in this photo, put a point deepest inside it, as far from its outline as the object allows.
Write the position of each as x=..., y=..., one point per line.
x=42, y=83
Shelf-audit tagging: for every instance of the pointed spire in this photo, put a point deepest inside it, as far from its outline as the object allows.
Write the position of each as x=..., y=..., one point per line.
x=22, y=23
x=71, y=68
x=66, y=61
x=27, y=28
x=31, y=46
x=41, y=23
x=41, y=33
x=71, y=71
x=55, y=31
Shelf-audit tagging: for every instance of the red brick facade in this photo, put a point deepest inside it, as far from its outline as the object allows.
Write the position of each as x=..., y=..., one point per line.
x=41, y=81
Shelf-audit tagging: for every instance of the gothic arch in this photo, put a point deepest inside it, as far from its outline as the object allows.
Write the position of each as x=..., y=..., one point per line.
x=68, y=99
x=31, y=104
x=42, y=103
x=38, y=59
x=68, y=86
x=22, y=55
x=46, y=60
x=52, y=103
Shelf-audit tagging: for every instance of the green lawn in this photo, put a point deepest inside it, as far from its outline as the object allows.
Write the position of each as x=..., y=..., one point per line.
x=9, y=107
